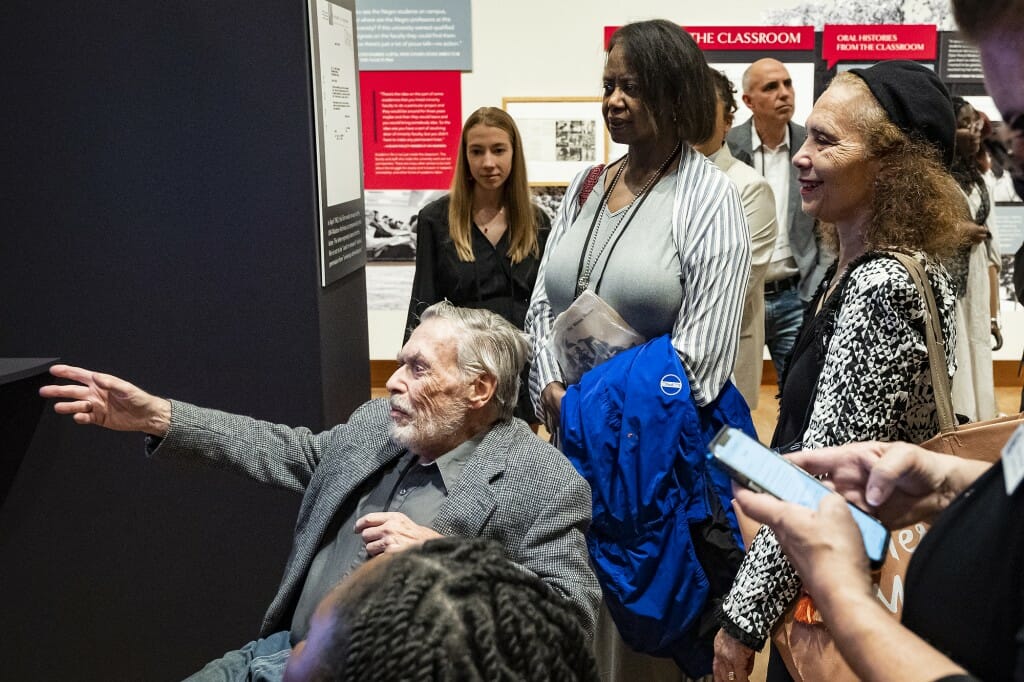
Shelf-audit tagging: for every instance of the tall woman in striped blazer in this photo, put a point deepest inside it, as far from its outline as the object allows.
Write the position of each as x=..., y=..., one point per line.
x=661, y=237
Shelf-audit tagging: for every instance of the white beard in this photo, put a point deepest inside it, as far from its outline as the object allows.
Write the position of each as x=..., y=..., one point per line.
x=431, y=427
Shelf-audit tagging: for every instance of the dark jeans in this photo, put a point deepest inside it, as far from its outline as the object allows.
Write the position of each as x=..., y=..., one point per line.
x=783, y=313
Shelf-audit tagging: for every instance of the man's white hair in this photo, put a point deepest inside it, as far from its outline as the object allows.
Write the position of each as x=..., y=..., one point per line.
x=487, y=344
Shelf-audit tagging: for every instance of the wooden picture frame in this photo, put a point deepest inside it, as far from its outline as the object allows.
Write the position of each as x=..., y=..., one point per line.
x=561, y=136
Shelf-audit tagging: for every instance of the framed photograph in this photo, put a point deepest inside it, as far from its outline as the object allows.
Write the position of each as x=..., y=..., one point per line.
x=391, y=216
x=549, y=198
x=561, y=135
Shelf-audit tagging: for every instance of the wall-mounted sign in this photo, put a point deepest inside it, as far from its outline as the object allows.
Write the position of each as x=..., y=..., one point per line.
x=411, y=128
x=336, y=112
x=878, y=42
x=414, y=35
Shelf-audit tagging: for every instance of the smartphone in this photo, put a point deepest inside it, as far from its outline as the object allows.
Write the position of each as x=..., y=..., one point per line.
x=756, y=467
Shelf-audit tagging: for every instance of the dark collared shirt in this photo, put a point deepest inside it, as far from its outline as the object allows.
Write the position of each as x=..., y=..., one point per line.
x=416, y=490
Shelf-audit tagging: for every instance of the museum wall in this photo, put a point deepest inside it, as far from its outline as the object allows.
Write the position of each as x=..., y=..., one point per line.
x=538, y=48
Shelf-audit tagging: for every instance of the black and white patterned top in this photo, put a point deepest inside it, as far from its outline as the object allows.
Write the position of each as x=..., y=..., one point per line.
x=874, y=385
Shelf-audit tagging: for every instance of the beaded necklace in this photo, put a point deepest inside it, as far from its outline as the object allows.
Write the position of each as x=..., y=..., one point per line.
x=588, y=258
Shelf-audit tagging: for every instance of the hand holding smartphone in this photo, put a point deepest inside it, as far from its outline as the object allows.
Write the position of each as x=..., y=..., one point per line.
x=756, y=467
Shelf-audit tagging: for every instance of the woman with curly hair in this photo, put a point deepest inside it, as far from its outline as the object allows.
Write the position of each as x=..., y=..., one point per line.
x=872, y=172
x=452, y=609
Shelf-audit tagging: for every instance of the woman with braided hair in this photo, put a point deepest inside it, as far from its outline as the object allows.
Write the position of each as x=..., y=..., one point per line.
x=452, y=609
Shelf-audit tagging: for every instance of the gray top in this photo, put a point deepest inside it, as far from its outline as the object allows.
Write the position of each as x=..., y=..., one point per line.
x=709, y=237
x=638, y=274
x=405, y=486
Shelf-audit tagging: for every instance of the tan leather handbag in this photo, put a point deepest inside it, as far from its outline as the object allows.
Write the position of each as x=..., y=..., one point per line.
x=982, y=440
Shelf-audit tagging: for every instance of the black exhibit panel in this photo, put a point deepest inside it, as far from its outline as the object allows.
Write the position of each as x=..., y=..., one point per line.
x=159, y=222
x=20, y=407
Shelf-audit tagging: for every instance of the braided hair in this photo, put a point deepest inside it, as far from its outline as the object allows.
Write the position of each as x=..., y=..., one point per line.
x=456, y=610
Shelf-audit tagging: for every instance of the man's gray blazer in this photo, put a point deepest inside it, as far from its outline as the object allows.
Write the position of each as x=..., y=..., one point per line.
x=811, y=260
x=516, y=489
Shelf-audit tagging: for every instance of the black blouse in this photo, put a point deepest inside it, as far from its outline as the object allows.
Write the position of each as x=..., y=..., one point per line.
x=491, y=281
x=965, y=582
x=803, y=367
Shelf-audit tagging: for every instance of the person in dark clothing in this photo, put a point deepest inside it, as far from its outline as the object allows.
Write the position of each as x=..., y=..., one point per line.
x=480, y=245
x=963, y=609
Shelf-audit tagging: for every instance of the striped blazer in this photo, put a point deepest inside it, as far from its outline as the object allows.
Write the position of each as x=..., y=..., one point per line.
x=711, y=237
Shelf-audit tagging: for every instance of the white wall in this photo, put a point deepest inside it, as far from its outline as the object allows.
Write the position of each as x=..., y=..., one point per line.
x=550, y=48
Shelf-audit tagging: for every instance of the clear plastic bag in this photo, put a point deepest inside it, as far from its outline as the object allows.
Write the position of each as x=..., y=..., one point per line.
x=589, y=332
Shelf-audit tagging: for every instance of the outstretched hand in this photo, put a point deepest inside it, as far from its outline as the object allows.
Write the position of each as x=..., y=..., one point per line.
x=107, y=401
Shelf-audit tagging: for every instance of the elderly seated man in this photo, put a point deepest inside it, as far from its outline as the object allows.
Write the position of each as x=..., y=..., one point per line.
x=442, y=457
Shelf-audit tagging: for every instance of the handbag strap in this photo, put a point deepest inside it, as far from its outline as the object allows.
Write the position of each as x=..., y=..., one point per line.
x=589, y=183
x=933, y=339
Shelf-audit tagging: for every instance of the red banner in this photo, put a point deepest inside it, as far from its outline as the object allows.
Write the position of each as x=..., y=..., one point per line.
x=878, y=42
x=411, y=125
x=753, y=37
x=744, y=37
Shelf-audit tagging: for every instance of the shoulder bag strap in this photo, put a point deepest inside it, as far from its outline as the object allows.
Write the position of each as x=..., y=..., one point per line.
x=589, y=183
x=933, y=339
